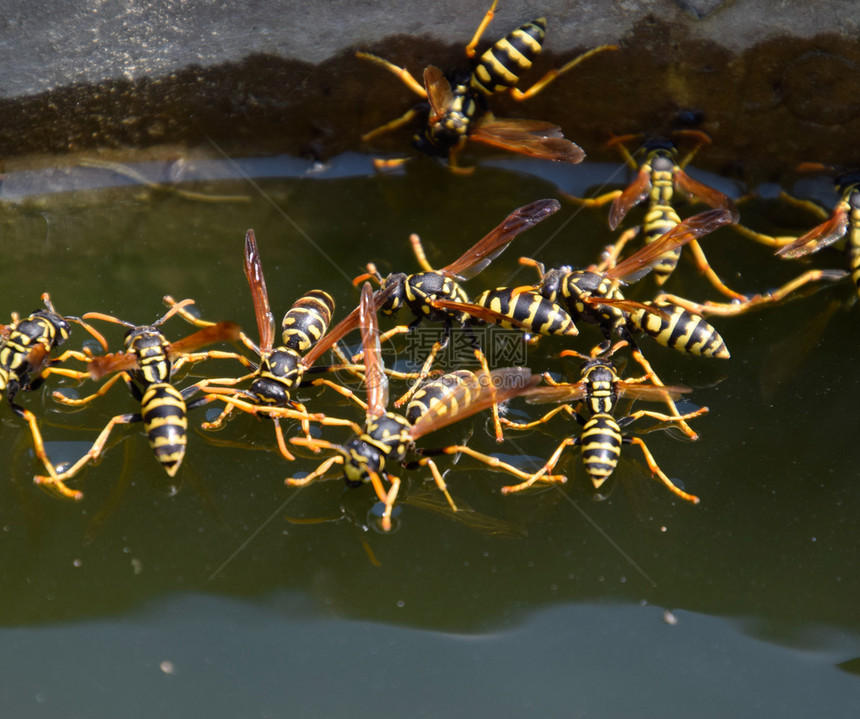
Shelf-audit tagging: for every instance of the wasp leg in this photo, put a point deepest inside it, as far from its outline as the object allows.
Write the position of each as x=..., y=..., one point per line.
x=39, y=450
x=725, y=309
x=62, y=399
x=387, y=498
x=649, y=372
x=346, y=392
x=179, y=308
x=543, y=473
x=282, y=445
x=385, y=336
x=530, y=425
x=761, y=238
x=485, y=21
x=195, y=357
x=318, y=472
x=381, y=164
x=62, y=372
x=596, y=201
x=706, y=269
x=57, y=481
x=554, y=73
x=613, y=251
x=425, y=369
x=655, y=470
x=402, y=73
x=437, y=478
x=664, y=421
x=493, y=462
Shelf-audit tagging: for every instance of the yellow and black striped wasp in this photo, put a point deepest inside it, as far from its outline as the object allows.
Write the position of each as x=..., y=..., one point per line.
x=659, y=177
x=458, y=109
x=420, y=291
x=601, y=438
x=146, y=365
x=844, y=221
x=593, y=296
x=25, y=361
x=281, y=369
x=386, y=438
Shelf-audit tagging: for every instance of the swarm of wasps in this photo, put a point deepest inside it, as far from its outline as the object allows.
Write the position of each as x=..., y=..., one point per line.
x=385, y=441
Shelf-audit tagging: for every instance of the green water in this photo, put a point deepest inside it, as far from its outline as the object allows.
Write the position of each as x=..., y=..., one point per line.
x=272, y=601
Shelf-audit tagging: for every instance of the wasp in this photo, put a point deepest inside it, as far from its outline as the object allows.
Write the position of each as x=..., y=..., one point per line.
x=844, y=221
x=457, y=106
x=386, y=438
x=25, y=360
x=601, y=438
x=594, y=296
x=659, y=177
x=422, y=292
x=146, y=365
x=281, y=369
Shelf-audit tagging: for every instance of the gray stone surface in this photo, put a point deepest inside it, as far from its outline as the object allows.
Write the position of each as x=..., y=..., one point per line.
x=54, y=43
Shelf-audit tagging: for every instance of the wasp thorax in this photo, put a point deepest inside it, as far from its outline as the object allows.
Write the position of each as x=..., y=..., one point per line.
x=552, y=282
x=285, y=364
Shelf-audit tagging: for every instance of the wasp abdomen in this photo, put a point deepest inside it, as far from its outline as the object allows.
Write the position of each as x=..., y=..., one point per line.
x=163, y=411
x=680, y=329
x=438, y=395
x=307, y=320
x=528, y=309
x=500, y=67
x=601, y=447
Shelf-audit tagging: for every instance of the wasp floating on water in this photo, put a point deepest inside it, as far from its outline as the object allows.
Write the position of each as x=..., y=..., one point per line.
x=386, y=438
x=146, y=365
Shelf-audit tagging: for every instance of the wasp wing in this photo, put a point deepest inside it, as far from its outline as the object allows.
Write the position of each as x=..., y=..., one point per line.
x=259, y=294
x=98, y=367
x=374, y=375
x=716, y=199
x=630, y=196
x=219, y=332
x=345, y=326
x=477, y=257
x=439, y=93
x=473, y=394
x=819, y=237
x=690, y=229
x=534, y=138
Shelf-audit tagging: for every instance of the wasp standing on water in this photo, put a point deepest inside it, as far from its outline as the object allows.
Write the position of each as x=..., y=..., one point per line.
x=147, y=365
x=281, y=370
x=601, y=439
x=844, y=221
x=25, y=361
x=386, y=438
x=436, y=295
x=458, y=108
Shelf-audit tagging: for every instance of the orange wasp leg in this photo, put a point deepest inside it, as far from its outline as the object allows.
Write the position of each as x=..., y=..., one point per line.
x=555, y=73
x=725, y=309
x=655, y=470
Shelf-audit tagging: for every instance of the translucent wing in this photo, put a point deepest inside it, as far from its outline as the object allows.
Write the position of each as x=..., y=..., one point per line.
x=474, y=395
x=690, y=229
x=534, y=138
x=376, y=381
x=259, y=294
x=477, y=257
x=631, y=196
x=819, y=237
